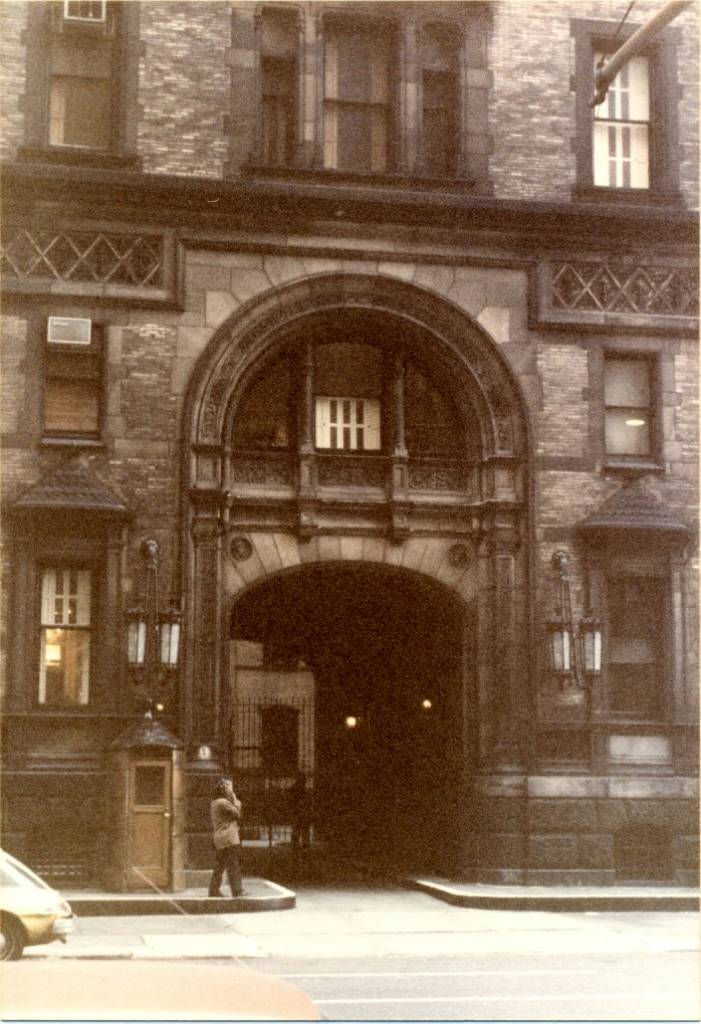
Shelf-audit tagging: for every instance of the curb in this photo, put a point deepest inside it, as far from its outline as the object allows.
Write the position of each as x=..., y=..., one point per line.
x=565, y=903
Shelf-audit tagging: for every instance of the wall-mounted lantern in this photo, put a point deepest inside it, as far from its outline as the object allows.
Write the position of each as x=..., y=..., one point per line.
x=153, y=634
x=575, y=654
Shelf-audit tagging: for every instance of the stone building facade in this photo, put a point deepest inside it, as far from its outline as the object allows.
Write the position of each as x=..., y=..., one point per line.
x=389, y=341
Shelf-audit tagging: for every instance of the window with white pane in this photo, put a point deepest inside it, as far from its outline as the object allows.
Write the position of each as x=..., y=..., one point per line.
x=628, y=406
x=621, y=140
x=348, y=423
x=64, y=674
x=357, y=95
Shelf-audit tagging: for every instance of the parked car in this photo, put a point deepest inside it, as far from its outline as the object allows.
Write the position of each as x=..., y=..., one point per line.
x=31, y=912
x=79, y=990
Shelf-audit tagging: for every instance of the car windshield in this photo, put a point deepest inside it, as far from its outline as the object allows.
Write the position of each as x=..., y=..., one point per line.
x=12, y=873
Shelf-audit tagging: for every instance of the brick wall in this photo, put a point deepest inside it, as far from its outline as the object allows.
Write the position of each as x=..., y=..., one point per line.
x=13, y=60
x=184, y=87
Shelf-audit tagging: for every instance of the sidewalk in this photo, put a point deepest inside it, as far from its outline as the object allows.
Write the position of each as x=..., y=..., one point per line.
x=340, y=923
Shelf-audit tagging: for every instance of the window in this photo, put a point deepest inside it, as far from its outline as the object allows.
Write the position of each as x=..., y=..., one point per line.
x=263, y=418
x=622, y=129
x=64, y=674
x=357, y=105
x=432, y=428
x=636, y=620
x=628, y=402
x=72, y=379
x=278, y=72
x=81, y=78
x=439, y=86
x=627, y=147
x=348, y=423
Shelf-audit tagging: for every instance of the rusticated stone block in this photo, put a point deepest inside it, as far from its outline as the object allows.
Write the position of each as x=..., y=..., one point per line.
x=501, y=850
x=596, y=851
x=501, y=813
x=562, y=815
x=686, y=852
x=611, y=815
x=553, y=851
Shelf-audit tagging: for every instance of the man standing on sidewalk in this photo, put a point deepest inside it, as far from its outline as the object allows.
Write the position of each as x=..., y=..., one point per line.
x=225, y=811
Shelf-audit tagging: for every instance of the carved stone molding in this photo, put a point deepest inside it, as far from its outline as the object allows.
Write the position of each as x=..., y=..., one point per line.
x=241, y=548
x=606, y=291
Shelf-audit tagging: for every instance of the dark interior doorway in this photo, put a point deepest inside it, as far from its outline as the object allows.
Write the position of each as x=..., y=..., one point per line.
x=384, y=647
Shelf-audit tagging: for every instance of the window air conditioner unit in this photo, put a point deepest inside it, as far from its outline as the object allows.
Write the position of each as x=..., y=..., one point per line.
x=69, y=330
x=93, y=11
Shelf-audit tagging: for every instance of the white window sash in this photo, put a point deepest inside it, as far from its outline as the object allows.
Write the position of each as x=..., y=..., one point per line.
x=342, y=422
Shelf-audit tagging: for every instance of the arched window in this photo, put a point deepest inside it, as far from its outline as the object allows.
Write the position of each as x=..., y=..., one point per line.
x=263, y=420
x=432, y=425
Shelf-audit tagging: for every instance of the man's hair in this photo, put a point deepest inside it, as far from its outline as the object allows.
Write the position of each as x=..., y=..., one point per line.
x=223, y=786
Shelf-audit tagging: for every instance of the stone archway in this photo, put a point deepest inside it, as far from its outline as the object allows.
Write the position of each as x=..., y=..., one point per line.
x=466, y=525
x=363, y=665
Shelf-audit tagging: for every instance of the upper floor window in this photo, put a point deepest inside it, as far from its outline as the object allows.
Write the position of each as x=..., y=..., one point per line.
x=636, y=624
x=628, y=406
x=73, y=378
x=81, y=69
x=357, y=96
x=621, y=140
x=64, y=673
x=278, y=75
x=628, y=145
x=349, y=423
x=440, y=94
x=348, y=387
x=264, y=417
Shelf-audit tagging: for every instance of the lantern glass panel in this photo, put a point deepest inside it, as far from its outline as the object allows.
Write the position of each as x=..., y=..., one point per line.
x=136, y=642
x=592, y=650
x=170, y=641
x=560, y=647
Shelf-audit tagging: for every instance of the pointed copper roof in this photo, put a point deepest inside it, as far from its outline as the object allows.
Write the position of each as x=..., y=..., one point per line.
x=634, y=507
x=70, y=485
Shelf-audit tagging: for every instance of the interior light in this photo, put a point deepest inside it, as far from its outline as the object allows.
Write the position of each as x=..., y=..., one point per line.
x=53, y=654
x=351, y=722
x=635, y=423
x=427, y=704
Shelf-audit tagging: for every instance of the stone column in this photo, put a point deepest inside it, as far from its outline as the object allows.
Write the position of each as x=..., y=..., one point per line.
x=201, y=725
x=399, y=480
x=306, y=454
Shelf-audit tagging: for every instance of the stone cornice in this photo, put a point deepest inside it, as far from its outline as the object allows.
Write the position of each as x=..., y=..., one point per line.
x=258, y=203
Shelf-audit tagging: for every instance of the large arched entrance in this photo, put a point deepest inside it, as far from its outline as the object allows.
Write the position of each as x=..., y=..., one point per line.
x=354, y=675
x=358, y=482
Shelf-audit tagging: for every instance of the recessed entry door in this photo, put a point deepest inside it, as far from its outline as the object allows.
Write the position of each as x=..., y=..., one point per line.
x=149, y=823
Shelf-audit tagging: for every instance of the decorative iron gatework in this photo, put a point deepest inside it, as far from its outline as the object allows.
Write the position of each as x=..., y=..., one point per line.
x=96, y=257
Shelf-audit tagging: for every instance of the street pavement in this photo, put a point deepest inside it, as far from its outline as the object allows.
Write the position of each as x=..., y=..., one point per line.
x=360, y=922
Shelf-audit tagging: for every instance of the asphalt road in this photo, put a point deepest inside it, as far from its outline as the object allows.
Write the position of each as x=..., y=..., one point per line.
x=597, y=988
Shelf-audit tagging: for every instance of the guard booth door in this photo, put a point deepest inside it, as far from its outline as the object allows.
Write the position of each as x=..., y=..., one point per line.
x=150, y=810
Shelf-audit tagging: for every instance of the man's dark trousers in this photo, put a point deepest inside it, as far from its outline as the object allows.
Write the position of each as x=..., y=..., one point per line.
x=227, y=859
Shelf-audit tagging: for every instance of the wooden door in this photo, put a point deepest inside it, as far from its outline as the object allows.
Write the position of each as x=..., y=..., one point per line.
x=150, y=810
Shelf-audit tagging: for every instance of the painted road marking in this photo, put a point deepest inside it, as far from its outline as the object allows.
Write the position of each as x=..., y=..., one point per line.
x=493, y=999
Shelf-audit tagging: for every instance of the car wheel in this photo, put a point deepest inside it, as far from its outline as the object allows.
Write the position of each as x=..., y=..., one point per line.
x=12, y=942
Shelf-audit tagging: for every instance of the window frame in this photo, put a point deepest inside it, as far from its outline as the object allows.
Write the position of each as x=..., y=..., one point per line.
x=61, y=354
x=59, y=564
x=291, y=64
x=593, y=37
x=333, y=22
x=45, y=22
x=650, y=362
x=660, y=643
x=454, y=35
